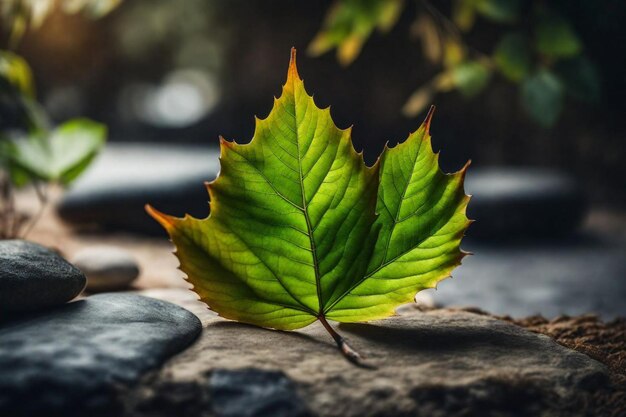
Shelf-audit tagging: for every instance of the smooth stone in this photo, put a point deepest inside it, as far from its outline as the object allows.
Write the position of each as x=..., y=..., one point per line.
x=77, y=359
x=108, y=268
x=182, y=297
x=510, y=203
x=125, y=177
x=33, y=277
x=438, y=363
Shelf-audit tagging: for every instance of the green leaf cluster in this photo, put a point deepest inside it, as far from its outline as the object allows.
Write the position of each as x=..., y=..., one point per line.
x=29, y=150
x=537, y=44
x=58, y=156
x=539, y=50
x=300, y=229
x=349, y=23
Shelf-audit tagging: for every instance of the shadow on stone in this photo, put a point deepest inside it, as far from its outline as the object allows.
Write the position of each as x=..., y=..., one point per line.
x=440, y=339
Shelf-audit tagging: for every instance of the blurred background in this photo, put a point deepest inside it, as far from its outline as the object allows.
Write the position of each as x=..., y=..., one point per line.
x=531, y=91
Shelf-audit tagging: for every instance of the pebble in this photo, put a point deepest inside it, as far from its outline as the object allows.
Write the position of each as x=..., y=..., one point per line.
x=108, y=268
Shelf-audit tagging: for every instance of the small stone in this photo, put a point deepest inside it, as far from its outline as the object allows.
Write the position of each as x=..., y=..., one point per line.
x=108, y=268
x=77, y=359
x=33, y=277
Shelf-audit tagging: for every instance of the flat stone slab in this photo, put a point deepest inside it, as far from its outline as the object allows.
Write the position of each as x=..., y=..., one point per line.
x=75, y=359
x=439, y=363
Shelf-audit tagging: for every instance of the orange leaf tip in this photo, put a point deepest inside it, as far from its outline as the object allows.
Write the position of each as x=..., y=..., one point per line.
x=428, y=118
x=293, y=69
x=164, y=220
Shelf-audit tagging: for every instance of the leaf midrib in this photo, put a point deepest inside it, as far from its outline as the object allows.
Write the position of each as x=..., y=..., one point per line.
x=305, y=210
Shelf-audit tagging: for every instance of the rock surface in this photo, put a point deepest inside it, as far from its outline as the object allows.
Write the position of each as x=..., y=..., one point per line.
x=108, y=268
x=73, y=360
x=439, y=363
x=33, y=277
x=510, y=203
x=114, y=190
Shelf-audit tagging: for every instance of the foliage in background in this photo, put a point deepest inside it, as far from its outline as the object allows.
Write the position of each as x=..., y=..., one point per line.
x=538, y=50
x=31, y=152
x=300, y=229
x=19, y=15
x=350, y=22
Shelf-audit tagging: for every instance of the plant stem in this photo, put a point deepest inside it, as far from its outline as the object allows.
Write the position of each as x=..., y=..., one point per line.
x=7, y=206
x=349, y=353
x=42, y=196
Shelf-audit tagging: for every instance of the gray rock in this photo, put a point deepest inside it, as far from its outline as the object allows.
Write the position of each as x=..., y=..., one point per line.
x=33, y=277
x=125, y=177
x=439, y=363
x=108, y=268
x=74, y=360
x=510, y=203
x=254, y=393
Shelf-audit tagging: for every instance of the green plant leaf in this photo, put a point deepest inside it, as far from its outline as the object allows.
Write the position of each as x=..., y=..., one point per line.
x=350, y=23
x=16, y=71
x=18, y=108
x=542, y=96
x=555, y=38
x=512, y=56
x=300, y=229
x=501, y=11
x=464, y=14
x=470, y=77
x=62, y=155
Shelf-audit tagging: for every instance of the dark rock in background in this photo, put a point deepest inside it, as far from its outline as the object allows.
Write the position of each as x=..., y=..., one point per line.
x=567, y=276
x=513, y=203
x=126, y=177
x=33, y=277
x=73, y=360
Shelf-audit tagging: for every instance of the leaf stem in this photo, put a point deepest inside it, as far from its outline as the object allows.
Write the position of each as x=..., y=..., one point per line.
x=345, y=349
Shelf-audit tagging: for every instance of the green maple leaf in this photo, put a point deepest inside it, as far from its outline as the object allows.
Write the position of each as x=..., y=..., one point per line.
x=300, y=229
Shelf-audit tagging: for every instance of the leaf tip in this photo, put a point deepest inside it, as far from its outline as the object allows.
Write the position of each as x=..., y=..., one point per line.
x=164, y=220
x=293, y=68
x=428, y=118
x=224, y=143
